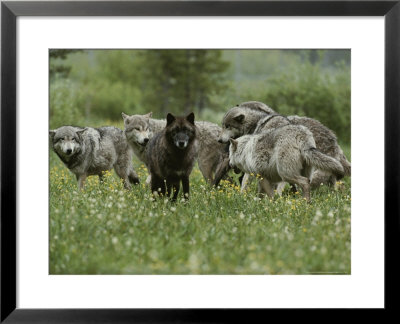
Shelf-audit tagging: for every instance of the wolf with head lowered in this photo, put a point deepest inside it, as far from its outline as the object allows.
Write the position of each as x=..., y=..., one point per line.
x=91, y=151
x=283, y=152
x=171, y=155
x=249, y=118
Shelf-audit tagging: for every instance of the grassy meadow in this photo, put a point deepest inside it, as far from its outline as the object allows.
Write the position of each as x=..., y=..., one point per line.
x=108, y=230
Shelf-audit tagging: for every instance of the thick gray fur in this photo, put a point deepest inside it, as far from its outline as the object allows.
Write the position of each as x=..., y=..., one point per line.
x=91, y=151
x=244, y=119
x=139, y=129
x=283, y=152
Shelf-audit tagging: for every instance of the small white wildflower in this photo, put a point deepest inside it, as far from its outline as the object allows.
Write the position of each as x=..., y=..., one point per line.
x=114, y=240
x=173, y=209
x=241, y=215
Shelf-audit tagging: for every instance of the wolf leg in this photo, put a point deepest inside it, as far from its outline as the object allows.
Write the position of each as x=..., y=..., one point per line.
x=280, y=187
x=126, y=172
x=148, y=179
x=206, y=170
x=303, y=182
x=81, y=181
x=133, y=177
x=101, y=178
x=264, y=186
x=176, y=187
x=185, y=187
x=319, y=177
x=247, y=179
x=168, y=184
x=221, y=171
x=157, y=185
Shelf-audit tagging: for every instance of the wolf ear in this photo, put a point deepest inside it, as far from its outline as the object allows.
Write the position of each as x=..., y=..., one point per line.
x=170, y=118
x=124, y=116
x=149, y=115
x=234, y=144
x=239, y=118
x=52, y=133
x=80, y=132
x=190, y=118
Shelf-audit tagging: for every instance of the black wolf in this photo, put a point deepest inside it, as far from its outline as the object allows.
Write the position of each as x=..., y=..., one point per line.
x=171, y=155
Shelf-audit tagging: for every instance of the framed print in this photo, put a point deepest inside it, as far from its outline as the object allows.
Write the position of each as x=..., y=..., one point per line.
x=162, y=81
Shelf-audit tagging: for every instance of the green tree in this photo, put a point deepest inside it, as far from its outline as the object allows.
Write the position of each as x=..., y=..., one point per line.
x=57, y=67
x=181, y=80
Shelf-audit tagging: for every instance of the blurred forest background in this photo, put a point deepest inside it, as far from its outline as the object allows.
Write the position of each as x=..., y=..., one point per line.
x=93, y=87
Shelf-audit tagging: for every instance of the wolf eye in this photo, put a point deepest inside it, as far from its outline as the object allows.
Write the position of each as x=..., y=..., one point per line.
x=137, y=128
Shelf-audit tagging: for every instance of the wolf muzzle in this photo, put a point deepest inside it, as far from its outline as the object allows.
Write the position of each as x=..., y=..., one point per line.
x=181, y=140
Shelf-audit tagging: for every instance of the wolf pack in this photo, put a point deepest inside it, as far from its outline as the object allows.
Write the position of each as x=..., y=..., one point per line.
x=253, y=140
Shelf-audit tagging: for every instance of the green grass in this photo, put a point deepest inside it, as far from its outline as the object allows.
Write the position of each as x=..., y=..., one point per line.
x=108, y=230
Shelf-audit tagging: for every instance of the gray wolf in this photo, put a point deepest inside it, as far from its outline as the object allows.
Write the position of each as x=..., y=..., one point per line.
x=247, y=118
x=284, y=152
x=91, y=151
x=243, y=119
x=139, y=129
x=171, y=155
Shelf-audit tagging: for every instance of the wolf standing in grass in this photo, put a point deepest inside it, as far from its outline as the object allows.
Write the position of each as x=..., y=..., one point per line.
x=285, y=152
x=171, y=155
x=91, y=151
x=139, y=129
x=248, y=118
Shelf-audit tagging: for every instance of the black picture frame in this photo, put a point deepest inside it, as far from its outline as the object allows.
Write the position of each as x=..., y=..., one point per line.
x=9, y=13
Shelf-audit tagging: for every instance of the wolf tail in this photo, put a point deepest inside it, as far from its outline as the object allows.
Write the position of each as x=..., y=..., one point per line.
x=346, y=165
x=322, y=161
